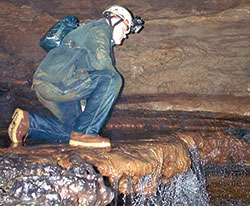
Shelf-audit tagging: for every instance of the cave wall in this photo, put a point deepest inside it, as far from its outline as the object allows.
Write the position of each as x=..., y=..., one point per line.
x=192, y=47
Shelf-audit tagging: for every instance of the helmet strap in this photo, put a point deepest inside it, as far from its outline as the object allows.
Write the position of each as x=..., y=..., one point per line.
x=110, y=22
x=118, y=22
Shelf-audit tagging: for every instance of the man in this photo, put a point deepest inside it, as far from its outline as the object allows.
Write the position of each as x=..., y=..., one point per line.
x=78, y=83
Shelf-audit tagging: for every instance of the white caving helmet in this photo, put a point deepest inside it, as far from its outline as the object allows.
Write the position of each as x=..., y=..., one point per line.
x=121, y=12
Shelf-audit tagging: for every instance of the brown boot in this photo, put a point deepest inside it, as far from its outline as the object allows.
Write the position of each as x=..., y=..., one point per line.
x=19, y=127
x=79, y=139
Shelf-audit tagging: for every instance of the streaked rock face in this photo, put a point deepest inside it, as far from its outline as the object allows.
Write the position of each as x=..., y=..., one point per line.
x=194, y=47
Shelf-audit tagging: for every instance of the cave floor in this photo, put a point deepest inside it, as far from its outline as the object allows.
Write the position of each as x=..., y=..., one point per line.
x=226, y=184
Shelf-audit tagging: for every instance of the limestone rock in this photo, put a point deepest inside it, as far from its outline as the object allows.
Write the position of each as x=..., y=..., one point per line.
x=194, y=47
x=129, y=160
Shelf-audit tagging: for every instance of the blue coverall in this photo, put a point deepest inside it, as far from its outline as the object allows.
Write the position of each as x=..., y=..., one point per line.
x=80, y=72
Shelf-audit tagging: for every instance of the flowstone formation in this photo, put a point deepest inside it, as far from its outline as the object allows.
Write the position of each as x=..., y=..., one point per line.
x=166, y=157
x=137, y=167
x=151, y=160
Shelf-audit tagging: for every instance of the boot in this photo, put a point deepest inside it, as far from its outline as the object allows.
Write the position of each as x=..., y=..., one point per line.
x=85, y=140
x=19, y=127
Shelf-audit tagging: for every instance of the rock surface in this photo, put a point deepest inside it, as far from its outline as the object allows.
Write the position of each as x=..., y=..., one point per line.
x=194, y=47
x=25, y=182
x=191, y=56
x=164, y=155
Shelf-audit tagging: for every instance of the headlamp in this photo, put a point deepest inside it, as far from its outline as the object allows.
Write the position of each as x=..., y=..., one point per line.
x=137, y=25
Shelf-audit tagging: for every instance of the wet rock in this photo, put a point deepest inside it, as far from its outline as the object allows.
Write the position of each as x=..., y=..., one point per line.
x=227, y=104
x=138, y=167
x=7, y=105
x=228, y=185
x=218, y=147
x=46, y=183
x=167, y=156
x=241, y=133
x=161, y=156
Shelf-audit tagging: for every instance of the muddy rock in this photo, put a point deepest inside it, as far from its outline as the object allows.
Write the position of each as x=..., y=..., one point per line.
x=46, y=183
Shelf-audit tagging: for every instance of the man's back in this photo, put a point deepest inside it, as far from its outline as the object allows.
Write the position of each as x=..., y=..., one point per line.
x=84, y=49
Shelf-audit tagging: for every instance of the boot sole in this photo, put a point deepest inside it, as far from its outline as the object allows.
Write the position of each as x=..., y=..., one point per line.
x=16, y=120
x=89, y=144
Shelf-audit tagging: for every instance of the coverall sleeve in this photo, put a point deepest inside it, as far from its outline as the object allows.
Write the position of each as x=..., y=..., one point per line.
x=99, y=49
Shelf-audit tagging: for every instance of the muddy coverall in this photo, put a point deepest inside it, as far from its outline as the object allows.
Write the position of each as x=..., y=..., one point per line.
x=78, y=72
